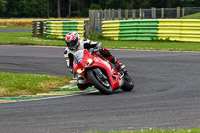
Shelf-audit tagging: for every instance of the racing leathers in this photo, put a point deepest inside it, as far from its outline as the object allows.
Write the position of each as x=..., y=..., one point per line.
x=92, y=46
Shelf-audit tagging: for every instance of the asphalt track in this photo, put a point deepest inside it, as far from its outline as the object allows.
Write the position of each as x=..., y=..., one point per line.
x=166, y=95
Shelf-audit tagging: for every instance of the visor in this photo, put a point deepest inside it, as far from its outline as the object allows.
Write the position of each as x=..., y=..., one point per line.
x=71, y=44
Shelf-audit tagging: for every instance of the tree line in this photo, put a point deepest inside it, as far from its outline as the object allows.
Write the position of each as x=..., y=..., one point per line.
x=79, y=8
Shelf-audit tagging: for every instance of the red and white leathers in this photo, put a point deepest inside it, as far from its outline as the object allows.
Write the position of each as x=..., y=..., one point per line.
x=91, y=46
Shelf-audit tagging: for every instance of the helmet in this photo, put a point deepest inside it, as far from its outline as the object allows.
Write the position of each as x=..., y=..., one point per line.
x=71, y=40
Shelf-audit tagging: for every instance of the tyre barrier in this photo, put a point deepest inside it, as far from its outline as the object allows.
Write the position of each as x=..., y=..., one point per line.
x=157, y=29
x=130, y=29
x=59, y=29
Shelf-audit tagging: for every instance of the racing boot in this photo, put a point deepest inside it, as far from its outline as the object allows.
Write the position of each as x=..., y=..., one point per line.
x=120, y=66
x=106, y=53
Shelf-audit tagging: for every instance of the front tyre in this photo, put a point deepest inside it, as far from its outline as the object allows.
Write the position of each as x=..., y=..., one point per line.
x=128, y=83
x=103, y=85
x=83, y=86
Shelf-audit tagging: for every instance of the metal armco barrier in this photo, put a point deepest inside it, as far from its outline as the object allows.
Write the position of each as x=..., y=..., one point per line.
x=58, y=29
x=157, y=29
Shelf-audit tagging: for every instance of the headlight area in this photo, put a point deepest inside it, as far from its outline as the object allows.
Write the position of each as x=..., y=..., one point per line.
x=79, y=71
x=89, y=62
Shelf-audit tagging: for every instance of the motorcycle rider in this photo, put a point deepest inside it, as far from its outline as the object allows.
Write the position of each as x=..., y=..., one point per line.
x=74, y=44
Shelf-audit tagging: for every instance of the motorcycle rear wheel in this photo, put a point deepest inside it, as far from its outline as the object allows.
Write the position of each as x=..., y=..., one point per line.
x=103, y=86
x=128, y=83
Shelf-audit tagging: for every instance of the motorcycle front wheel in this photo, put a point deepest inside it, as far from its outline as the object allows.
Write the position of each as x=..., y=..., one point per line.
x=101, y=84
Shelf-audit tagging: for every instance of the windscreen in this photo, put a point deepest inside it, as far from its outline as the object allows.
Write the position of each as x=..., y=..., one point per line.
x=78, y=56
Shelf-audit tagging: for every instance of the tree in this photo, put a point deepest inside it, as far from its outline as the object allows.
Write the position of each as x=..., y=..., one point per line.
x=70, y=8
x=80, y=8
x=188, y=3
x=95, y=6
x=47, y=8
x=3, y=7
x=58, y=4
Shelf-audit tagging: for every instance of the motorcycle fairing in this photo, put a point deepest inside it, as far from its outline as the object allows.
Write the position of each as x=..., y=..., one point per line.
x=113, y=74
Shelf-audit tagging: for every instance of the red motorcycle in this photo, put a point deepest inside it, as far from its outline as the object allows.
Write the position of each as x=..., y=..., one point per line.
x=100, y=72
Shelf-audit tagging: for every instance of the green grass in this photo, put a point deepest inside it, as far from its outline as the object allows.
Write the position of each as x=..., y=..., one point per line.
x=25, y=38
x=12, y=84
x=192, y=16
x=155, y=131
x=153, y=45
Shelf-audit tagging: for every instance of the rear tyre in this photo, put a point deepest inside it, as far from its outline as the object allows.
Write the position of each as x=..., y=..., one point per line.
x=128, y=83
x=102, y=85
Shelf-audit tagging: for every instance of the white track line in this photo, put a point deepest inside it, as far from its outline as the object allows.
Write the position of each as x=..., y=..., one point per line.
x=28, y=100
x=110, y=49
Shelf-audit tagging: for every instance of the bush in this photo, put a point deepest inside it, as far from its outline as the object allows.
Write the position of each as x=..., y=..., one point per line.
x=96, y=36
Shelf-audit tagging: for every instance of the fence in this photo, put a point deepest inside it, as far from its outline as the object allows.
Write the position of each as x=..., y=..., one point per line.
x=97, y=16
x=170, y=29
x=128, y=26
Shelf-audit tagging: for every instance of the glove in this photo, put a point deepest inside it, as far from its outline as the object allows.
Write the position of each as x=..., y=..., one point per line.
x=98, y=46
x=87, y=45
x=96, y=49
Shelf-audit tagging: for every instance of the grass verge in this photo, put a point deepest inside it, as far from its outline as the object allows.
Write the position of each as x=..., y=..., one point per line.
x=155, y=131
x=153, y=45
x=192, y=16
x=25, y=38
x=12, y=84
